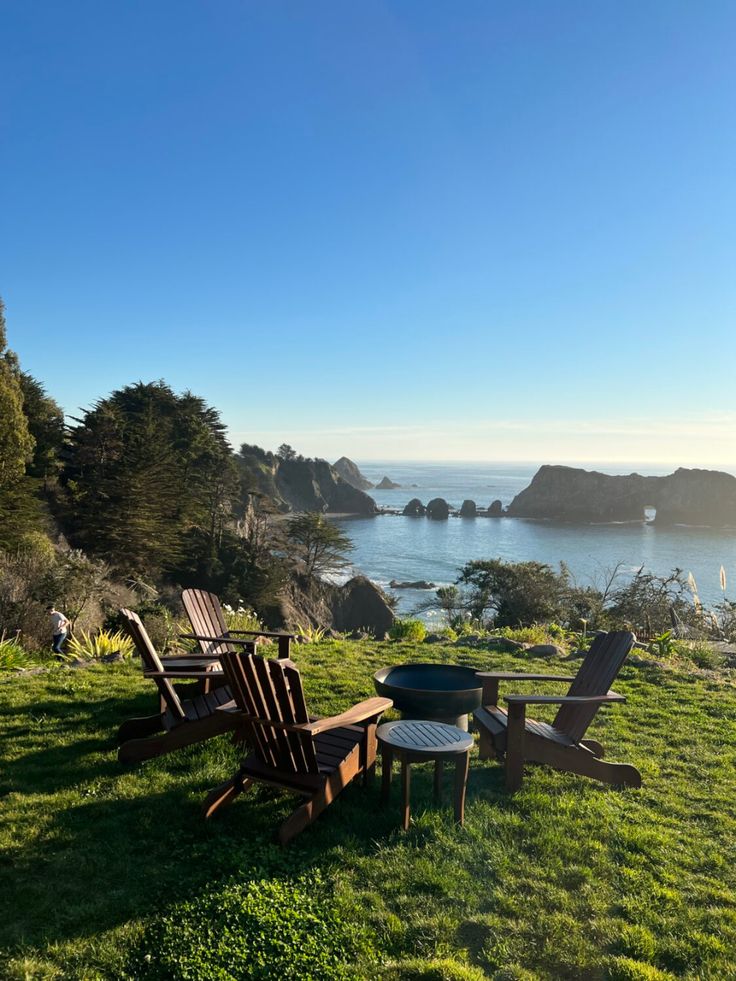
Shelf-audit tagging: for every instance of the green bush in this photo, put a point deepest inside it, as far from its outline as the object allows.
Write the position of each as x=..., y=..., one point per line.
x=92, y=647
x=291, y=930
x=241, y=618
x=700, y=653
x=413, y=630
x=12, y=655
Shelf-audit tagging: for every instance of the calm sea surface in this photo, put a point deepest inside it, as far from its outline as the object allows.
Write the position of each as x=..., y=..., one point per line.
x=409, y=549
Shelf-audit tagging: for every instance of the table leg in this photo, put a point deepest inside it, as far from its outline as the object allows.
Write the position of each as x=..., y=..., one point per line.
x=461, y=777
x=438, y=767
x=405, y=782
x=387, y=759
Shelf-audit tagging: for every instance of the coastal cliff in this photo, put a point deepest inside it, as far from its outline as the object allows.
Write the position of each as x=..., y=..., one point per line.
x=301, y=485
x=698, y=497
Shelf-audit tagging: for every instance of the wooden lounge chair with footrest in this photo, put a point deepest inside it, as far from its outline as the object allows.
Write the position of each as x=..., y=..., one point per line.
x=181, y=721
x=509, y=733
x=316, y=758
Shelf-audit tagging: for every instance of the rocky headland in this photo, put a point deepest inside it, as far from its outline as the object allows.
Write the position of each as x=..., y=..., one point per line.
x=694, y=497
x=301, y=484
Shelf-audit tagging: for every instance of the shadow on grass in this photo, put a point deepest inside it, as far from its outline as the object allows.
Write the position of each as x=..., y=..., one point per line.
x=78, y=736
x=113, y=857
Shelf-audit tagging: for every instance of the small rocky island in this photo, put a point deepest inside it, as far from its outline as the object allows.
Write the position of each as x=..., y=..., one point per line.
x=387, y=484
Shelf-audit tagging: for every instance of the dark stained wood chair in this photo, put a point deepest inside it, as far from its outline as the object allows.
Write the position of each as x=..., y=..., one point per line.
x=181, y=721
x=316, y=758
x=511, y=734
x=211, y=631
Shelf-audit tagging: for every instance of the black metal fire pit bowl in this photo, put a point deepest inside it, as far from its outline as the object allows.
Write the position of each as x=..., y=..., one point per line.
x=438, y=692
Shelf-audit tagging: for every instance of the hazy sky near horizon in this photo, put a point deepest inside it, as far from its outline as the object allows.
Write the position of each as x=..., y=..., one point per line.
x=416, y=230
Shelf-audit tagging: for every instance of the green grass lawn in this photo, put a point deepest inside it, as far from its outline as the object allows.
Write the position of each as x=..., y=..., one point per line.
x=111, y=872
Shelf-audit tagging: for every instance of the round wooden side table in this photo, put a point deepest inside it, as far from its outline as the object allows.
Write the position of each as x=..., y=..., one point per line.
x=417, y=741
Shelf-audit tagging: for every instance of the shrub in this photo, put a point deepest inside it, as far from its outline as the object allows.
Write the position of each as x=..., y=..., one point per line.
x=12, y=655
x=312, y=635
x=93, y=647
x=515, y=594
x=700, y=653
x=241, y=618
x=291, y=930
x=413, y=630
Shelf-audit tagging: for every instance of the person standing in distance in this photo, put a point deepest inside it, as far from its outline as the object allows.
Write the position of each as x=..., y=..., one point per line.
x=59, y=628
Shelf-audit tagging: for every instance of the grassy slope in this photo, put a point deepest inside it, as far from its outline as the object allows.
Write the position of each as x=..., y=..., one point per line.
x=567, y=879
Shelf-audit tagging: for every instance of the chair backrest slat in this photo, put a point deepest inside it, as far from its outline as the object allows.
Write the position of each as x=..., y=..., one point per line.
x=597, y=673
x=207, y=619
x=281, y=687
x=271, y=692
x=151, y=661
x=273, y=711
x=246, y=692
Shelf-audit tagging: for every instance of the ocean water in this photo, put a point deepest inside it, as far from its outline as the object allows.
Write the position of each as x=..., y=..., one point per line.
x=409, y=549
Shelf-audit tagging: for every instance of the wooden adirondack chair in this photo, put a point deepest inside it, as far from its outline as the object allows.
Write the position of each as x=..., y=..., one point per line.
x=314, y=758
x=211, y=631
x=560, y=744
x=180, y=721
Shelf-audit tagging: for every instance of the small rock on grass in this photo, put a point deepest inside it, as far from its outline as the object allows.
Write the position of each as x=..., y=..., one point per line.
x=545, y=650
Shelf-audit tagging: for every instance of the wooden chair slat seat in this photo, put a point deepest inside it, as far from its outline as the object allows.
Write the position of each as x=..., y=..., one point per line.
x=495, y=718
x=507, y=733
x=288, y=748
x=180, y=721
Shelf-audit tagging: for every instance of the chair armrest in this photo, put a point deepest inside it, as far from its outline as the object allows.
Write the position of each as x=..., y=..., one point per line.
x=368, y=709
x=179, y=675
x=264, y=633
x=611, y=696
x=176, y=661
x=511, y=676
x=217, y=640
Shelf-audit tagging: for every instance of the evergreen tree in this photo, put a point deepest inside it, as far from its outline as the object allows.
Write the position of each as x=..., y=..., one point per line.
x=146, y=468
x=16, y=441
x=46, y=424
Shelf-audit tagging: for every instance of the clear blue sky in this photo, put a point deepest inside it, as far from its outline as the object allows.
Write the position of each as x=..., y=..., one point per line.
x=488, y=230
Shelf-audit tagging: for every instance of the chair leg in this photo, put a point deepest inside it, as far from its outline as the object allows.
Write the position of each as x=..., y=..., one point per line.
x=485, y=744
x=368, y=753
x=515, y=747
x=618, y=774
x=580, y=760
x=307, y=814
x=137, y=750
x=225, y=794
x=594, y=746
x=139, y=728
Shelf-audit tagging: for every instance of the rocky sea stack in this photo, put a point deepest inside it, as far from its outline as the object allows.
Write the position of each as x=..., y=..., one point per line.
x=387, y=484
x=350, y=473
